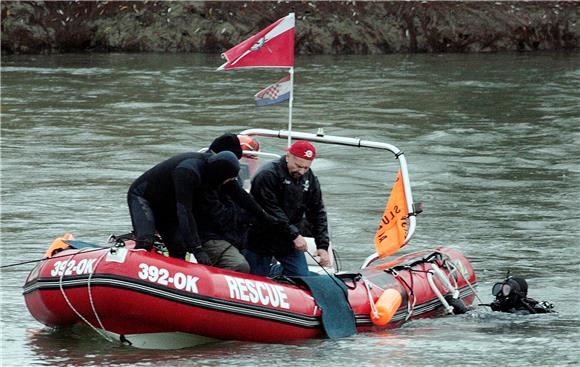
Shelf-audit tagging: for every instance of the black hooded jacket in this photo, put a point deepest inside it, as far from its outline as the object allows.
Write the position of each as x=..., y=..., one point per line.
x=175, y=189
x=289, y=200
x=228, y=213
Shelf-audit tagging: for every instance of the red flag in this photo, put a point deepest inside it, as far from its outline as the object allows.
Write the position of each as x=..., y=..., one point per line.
x=272, y=47
x=390, y=235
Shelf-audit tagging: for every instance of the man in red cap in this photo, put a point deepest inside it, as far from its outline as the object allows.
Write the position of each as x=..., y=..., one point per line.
x=288, y=190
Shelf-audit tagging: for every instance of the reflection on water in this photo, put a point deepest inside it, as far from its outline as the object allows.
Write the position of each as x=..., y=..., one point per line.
x=492, y=141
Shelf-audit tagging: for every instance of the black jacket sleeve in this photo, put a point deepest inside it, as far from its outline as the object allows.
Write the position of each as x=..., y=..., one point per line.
x=316, y=215
x=185, y=182
x=244, y=200
x=218, y=213
x=264, y=190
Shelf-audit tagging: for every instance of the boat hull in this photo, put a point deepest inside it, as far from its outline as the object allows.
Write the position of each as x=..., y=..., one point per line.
x=133, y=292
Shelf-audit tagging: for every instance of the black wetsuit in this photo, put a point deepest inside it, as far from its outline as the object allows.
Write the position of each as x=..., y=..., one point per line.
x=177, y=198
x=162, y=200
x=165, y=198
x=289, y=200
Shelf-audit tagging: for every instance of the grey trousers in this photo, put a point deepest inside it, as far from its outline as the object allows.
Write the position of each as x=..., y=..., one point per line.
x=226, y=256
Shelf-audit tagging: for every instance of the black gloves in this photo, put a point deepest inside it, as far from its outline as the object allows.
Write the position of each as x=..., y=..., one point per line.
x=201, y=256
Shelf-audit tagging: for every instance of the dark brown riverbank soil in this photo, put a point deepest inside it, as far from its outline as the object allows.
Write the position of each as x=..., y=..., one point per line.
x=321, y=27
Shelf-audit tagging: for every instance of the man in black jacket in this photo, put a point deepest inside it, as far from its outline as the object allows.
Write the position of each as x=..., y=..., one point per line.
x=163, y=200
x=226, y=214
x=196, y=204
x=288, y=190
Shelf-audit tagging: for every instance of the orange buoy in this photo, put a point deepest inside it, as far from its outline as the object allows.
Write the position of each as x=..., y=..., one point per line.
x=247, y=143
x=387, y=305
x=59, y=245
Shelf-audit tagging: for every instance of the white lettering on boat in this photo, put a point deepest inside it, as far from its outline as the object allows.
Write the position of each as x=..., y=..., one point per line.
x=257, y=292
x=162, y=276
x=71, y=267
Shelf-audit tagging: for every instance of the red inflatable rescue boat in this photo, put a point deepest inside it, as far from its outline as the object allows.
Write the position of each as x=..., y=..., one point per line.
x=150, y=300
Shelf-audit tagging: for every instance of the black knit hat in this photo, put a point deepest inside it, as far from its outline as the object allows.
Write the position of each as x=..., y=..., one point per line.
x=227, y=142
x=222, y=166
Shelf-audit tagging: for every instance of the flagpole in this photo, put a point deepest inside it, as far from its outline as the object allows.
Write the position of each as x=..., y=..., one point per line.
x=290, y=106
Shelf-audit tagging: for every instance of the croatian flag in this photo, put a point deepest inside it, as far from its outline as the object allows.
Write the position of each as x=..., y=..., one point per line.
x=272, y=47
x=275, y=93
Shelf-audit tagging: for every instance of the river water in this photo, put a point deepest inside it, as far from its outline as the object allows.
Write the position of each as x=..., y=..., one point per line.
x=492, y=142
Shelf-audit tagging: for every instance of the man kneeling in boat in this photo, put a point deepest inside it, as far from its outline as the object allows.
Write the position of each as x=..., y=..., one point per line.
x=164, y=200
x=288, y=190
x=223, y=221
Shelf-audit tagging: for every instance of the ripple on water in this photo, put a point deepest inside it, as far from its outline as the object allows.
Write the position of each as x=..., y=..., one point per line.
x=495, y=167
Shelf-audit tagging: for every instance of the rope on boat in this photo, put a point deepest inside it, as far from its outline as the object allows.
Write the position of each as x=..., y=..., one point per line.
x=371, y=301
x=449, y=264
x=91, y=294
x=46, y=258
x=451, y=268
x=409, y=290
x=327, y=273
x=70, y=304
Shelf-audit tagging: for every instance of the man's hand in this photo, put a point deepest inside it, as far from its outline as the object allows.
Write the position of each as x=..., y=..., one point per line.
x=201, y=256
x=300, y=243
x=324, y=257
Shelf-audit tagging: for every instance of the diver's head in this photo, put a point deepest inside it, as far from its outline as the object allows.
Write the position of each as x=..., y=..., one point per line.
x=510, y=293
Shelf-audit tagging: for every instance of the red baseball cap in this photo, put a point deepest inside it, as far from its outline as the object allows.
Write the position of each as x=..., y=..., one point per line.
x=303, y=149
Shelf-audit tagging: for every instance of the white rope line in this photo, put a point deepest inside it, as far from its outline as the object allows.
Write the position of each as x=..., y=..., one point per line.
x=410, y=306
x=467, y=281
x=371, y=301
x=450, y=273
x=91, y=294
x=448, y=262
x=70, y=304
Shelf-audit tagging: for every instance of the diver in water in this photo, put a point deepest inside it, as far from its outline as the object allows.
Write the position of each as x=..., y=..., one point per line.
x=511, y=296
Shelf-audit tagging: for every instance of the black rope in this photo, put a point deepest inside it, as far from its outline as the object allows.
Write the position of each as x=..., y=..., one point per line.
x=337, y=259
x=327, y=273
x=411, y=271
x=52, y=257
x=353, y=277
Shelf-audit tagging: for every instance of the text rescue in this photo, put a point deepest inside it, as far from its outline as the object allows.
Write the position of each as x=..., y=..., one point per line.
x=257, y=292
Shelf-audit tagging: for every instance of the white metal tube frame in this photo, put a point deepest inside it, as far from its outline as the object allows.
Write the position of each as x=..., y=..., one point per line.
x=437, y=292
x=357, y=143
x=445, y=281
